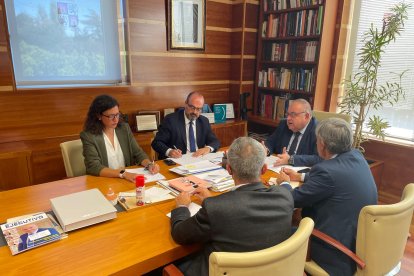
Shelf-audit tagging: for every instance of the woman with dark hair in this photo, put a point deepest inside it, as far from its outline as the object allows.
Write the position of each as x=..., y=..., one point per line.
x=108, y=143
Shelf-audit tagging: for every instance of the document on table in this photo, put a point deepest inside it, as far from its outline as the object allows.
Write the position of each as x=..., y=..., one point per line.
x=278, y=168
x=193, y=168
x=193, y=208
x=270, y=160
x=185, y=159
x=220, y=180
x=148, y=176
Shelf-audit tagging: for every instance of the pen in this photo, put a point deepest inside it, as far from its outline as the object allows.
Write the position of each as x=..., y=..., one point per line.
x=193, y=184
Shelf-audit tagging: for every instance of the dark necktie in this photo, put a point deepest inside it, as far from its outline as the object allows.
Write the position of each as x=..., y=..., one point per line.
x=292, y=149
x=191, y=137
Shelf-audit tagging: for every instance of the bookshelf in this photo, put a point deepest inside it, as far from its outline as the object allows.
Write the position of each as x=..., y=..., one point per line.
x=289, y=45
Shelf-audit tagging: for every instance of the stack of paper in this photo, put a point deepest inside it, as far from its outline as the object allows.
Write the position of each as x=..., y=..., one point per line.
x=188, y=158
x=193, y=168
x=220, y=180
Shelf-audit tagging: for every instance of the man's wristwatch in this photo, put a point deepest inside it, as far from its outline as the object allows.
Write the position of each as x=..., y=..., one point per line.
x=121, y=174
x=291, y=160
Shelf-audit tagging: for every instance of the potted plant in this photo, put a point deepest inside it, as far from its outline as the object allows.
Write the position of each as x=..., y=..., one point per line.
x=362, y=91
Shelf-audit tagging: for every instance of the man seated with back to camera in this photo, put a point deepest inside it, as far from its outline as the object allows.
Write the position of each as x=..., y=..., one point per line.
x=294, y=139
x=333, y=193
x=186, y=131
x=248, y=218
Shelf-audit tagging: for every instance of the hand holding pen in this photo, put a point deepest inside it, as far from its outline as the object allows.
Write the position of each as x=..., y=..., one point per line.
x=152, y=167
x=175, y=153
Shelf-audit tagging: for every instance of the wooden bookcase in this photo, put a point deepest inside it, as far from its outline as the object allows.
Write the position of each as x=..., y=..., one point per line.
x=288, y=51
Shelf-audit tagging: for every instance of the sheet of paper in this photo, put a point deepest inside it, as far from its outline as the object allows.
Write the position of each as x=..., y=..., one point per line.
x=156, y=194
x=193, y=208
x=273, y=181
x=270, y=160
x=187, y=158
x=215, y=176
x=148, y=176
x=194, y=168
x=278, y=168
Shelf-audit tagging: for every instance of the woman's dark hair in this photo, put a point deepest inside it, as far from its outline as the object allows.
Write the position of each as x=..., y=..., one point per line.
x=100, y=104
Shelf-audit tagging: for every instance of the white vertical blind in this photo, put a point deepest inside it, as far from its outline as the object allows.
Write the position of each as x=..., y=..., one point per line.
x=398, y=56
x=64, y=42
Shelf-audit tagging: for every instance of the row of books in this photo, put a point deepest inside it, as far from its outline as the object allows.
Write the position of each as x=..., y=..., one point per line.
x=273, y=106
x=287, y=78
x=292, y=51
x=277, y=5
x=300, y=23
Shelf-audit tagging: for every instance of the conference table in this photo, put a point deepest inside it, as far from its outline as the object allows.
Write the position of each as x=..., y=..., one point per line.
x=135, y=242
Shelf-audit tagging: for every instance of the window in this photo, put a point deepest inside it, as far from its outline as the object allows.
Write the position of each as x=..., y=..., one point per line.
x=64, y=42
x=398, y=56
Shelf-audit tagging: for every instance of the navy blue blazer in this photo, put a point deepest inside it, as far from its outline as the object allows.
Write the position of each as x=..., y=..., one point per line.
x=306, y=154
x=252, y=217
x=333, y=195
x=172, y=133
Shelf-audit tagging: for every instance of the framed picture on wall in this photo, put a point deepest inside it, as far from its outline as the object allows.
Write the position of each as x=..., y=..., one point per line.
x=186, y=24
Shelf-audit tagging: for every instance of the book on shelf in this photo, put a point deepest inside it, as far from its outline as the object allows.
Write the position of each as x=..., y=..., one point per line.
x=27, y=232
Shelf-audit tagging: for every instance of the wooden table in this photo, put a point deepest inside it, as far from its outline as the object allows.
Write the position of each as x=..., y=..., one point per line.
x=135, y=242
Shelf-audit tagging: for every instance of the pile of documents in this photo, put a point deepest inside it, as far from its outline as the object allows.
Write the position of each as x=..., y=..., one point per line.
x=220, y=180
x=193, y=168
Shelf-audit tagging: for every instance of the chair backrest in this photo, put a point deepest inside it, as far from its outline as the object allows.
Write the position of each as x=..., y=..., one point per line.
x=73, y=158
x=153, y=153
x=382, y=234
x=286, y=258
x=322, y=115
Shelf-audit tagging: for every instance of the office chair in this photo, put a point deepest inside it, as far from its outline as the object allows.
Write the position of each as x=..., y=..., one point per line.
x=285, y=258
x=73, y=158
x=381, y=237
x=322, y=115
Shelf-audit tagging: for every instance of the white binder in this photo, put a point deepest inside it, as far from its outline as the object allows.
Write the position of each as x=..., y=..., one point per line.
x=82, y=209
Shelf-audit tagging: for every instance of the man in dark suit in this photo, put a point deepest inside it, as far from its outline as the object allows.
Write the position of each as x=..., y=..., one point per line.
x=294, y=139
x=186, y=131
x=333, y=193
x=248, y=218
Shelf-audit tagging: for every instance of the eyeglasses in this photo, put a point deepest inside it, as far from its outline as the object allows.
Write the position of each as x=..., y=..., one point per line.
x=112, y=116
x=294, y=114
x=193, y=108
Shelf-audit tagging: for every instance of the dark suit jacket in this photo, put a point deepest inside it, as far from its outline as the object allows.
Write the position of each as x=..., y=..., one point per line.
x=23, y=238
x=94, y=149
x=172, y=133
x=252, y=217
x=333, y=195
x=307, y=153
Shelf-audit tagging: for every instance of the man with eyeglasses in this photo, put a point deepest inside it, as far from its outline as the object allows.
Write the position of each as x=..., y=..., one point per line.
x=186, y=131
x=294, y=139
